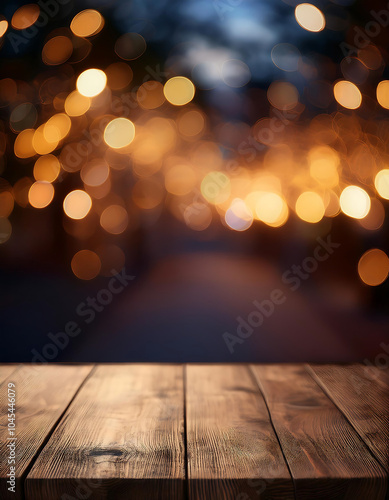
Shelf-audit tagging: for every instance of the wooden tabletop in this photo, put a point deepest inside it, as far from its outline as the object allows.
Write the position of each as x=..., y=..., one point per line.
x=220, y=432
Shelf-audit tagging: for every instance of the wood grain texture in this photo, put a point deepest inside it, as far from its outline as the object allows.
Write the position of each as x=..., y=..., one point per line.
x=362, y=394
x=121, y=438
x=326, y=456
x=233, y=452
x=42, y=395
x=5, y=371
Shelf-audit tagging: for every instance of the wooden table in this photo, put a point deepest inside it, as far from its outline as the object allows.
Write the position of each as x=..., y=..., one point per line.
x=236, y=432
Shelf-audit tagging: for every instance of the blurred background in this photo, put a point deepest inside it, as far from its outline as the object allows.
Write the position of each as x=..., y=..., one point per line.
x=167, y=165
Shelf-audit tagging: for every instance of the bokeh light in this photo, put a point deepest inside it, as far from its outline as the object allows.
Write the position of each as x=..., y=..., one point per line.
x=47, y=168
x=191, y=123
x=86, y=265
x=373, y=267
x=87, y=23
x=3, y=27
x=57, y=50
x=25, y=16
x=77, y=204
x=309, y=17
x=381, y=183
x=347, y=94
x=76, y=104
x=355, y=202
x=119, y=75
x=216, y=187
x=310, y=207
x=23, y=147
x=270, y=208
x=383, y=94
x=179, y=90
x=114, y=219
x=91, y=82
x=119, y=133
x=283, y=95
x=40, y=194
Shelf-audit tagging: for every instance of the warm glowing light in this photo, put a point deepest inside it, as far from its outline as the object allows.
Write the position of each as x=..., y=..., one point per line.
x=332, y=204
x=57, y=128
x=47, y=168
x=355, y=202
x=383, y=94
x=381, y=183
x=323, y=166
x=77, y=204
x=179, y=90
x=282, y=95
x=239, y=217
x=310, y=207
x=41, y=194
x=198, y=216
x=216, y=187
x=95, y=173
x=270, y=208
x=23, y=147
x=347, y=94
x=3, y=27
x=119, y=133
x=86, y=264
x=310, y=17
x=91, y=82
x=114, y=219
x=57, y=50
x=373, y=267
x=25, y=16
x=180, y=180
x=150, y=95
x=191, y=123
x=40, y=143
x=375, y=218
x=147, y=194
x=76, y=104
x=86, y=23
x=119, y=75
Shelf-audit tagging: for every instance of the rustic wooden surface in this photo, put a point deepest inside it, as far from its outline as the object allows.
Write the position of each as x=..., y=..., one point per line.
x=5, y=371
x=232, y=447
x=198, y=432
x=42, y=395
x=123, y=437
x=362, y=394
x=326, y=456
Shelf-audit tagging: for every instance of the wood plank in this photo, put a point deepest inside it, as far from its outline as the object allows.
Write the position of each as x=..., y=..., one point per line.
x=42, y=394
x=5, y=371
x=122, y=437
x=326, y=456
x=362, y=394
x=233, y=452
